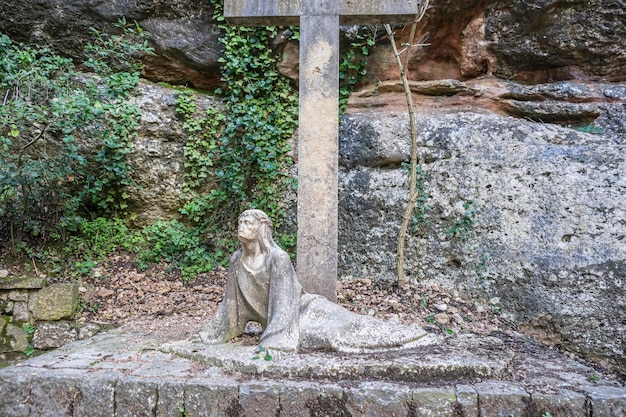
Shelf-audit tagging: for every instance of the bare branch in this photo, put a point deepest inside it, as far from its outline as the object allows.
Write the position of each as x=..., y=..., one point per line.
x=413, y=192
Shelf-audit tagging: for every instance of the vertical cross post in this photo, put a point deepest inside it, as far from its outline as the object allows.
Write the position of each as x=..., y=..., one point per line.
x=318, y=138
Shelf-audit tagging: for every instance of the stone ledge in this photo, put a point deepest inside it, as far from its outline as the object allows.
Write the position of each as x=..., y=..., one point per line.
x=22, y=283
x=125, y=374
x=477, y=358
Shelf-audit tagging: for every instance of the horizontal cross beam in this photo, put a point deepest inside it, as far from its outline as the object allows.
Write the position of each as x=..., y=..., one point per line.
x=288, y=12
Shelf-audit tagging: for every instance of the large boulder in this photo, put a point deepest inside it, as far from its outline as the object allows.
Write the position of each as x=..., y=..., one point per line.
x=527, y=215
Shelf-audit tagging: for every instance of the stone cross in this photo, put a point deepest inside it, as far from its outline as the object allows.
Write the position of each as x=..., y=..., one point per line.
x=319, y=22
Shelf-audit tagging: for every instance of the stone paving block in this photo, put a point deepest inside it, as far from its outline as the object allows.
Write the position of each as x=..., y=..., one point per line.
x=607, y=401
x=259, y=399
x=135, y=397
x=433, y=402
x=97, y=397
x=564, y=403
x=311, y=399
x=171, y=400
x=467, y=400
x=378, y=399
x=501, y=399
x=211, y=397
x=160, y=364
x=55, y=393
x=15, y=389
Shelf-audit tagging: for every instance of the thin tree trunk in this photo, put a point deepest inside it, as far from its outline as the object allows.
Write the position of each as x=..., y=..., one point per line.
x=413, y=192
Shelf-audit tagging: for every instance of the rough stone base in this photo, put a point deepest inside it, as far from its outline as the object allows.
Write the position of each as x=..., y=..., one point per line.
x=128, y=374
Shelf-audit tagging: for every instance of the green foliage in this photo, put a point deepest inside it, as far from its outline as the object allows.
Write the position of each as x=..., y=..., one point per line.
x=592, y=377
x=30, y=349
x=352, y=65
x=29, y=329
x=169, y=241
x=177, y=244
x=262, y=353
x=546, y=414
x=237, y=157
x=463, y=225
x=64, y=136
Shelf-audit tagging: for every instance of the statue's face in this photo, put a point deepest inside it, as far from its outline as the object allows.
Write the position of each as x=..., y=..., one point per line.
x=248, y=229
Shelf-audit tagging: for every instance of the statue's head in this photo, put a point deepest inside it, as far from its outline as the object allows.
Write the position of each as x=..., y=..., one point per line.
x=255, y=225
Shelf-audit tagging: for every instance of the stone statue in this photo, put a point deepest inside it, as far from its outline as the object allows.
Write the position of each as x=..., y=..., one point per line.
x=262, y=286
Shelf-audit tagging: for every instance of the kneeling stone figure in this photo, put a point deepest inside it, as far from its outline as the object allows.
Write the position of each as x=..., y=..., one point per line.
x=262, y=286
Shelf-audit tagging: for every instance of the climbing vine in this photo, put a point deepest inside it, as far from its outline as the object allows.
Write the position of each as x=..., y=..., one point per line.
x=243, y=149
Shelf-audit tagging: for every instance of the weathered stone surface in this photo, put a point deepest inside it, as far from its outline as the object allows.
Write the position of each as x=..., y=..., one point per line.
x=136, y=397
x=502, y=399
x=534, y=41
x=260, y=400
x=51, y=335
x=467, y=400
x=15, y=388
x=306, y=399
x=530, y=37
x=372, y=399
x=204, y=397
x=448, y=361
x=54, y=394
x=18, y=295
x=434, y=402
x=55, y=302
x=97, y=395
x=607, y=401
x=20, y=312
x=113, y=374
x=563, y=403
x=158, y=154
x=17, y=283
x=12, y=337
x=545, y=214
x=171, y=398
x=183, y=32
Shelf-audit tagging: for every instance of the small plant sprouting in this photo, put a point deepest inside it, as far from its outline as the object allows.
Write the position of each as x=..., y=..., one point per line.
x=29, y=350
x=463, y=225
x=262, y=353
x=546, y=414
x=592, y=377
x=29, y=329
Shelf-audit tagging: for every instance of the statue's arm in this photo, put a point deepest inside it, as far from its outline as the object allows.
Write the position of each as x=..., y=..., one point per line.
x=282, y=330
x=224, y=324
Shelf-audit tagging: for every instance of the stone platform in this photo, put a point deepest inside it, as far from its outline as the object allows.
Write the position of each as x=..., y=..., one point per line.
x=121, y=373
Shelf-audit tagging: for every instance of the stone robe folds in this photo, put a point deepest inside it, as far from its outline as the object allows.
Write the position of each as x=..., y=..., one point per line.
x=293, y=319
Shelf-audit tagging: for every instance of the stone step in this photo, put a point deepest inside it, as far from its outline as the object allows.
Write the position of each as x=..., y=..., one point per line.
x=130, y=374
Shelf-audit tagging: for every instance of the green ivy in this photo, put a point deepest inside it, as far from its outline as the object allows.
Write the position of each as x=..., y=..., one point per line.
x=352, y=65
x=237, y=155
x=64, y=135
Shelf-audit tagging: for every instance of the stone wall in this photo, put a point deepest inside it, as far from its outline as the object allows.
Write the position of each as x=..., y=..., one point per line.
x=37, y=316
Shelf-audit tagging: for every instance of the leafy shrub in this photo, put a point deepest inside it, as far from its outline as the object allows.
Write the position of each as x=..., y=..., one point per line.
x=64, y=135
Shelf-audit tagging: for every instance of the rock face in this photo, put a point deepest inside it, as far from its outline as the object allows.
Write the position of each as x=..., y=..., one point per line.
x=531, y=41
x=528, y=215
x=184, y=34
